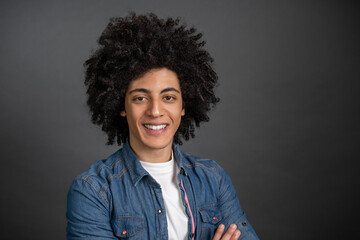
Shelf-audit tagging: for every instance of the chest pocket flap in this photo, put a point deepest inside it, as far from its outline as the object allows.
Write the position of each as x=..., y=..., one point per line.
x=210, y=215
x=127, y=226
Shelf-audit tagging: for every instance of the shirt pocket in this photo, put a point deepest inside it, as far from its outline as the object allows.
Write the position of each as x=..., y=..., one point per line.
x=210, y=219
x=128, y=227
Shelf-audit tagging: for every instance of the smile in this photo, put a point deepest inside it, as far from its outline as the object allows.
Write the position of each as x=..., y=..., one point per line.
x=155, y=127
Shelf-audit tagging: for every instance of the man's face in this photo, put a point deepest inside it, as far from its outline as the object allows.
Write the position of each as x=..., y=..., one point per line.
x=153, y=108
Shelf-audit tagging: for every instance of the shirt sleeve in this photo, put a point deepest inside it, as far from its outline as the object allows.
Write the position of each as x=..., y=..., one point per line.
x=88, y=215
x=230, y=207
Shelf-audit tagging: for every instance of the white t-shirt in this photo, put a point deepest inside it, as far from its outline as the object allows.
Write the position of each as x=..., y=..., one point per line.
x=166, y=175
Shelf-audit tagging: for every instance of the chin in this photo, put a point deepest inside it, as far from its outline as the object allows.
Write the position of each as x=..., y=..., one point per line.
x=158, y=144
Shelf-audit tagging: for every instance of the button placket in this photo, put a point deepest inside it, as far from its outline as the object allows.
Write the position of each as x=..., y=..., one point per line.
x=160, y=214
x=188, y=209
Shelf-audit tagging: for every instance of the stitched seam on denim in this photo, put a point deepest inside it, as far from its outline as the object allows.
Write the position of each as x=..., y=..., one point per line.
x=124, y=216
x=106, y=185
x=115, y=162
x=200, y=210
x=141, y=218
x=103, y=189
x=99, y=169
x=157, y=221
x=91, y=182
x=204, y=159
x=124, y=170
x=101, y=166
x=199, y=165
x=207, y=206
x=136, y=232
x=87, y=179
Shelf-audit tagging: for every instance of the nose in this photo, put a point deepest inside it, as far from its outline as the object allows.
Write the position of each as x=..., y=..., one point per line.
x=155, y=108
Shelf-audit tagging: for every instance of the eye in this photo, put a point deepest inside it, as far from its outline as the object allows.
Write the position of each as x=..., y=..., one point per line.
x=139, y=99
x=169, y=98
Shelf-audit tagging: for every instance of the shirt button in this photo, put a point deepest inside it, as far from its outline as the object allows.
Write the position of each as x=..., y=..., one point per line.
x=123, y=232
x=214, y=218
x=192, y=235
x=244, y=223
x=159, y=211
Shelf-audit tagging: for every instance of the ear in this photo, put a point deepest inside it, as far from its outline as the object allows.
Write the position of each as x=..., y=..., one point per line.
x=123, y=113
x=183, y=112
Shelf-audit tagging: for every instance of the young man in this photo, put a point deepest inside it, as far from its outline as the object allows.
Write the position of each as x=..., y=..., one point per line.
x=149, y=84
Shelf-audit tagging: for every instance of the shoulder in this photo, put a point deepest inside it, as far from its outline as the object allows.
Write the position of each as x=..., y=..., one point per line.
x=95, y=181
x=200, y=164
x=196, y=161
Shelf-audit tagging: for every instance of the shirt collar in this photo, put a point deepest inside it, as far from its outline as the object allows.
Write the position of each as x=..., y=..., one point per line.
x=179, y=158
x=137, y=172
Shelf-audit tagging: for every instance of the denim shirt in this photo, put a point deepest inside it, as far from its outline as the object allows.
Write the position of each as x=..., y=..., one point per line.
x=118, y=199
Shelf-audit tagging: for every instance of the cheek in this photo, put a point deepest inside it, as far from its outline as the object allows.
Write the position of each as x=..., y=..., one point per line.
x=133, y=116
x=178, y=113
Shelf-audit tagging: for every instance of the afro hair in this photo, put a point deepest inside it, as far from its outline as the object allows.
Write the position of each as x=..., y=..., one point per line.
x=131, y=46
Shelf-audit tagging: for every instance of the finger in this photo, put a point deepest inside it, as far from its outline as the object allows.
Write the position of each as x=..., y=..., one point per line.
x=236, y=235
x=219, y=232
x=229, y=232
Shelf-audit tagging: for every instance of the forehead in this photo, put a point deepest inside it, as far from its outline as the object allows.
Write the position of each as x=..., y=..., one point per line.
x=156, y=79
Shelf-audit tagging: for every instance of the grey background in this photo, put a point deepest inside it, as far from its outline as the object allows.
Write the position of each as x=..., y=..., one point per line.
x=286, y=130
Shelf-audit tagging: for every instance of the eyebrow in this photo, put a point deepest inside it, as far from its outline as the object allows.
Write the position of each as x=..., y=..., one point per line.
x=144, y=90
x=170, y=89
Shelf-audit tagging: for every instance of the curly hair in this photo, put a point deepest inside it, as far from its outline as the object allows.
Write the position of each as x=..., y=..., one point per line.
x=131, y=46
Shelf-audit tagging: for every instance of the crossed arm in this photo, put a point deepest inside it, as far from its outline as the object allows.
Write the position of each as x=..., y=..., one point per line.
x=84, y=206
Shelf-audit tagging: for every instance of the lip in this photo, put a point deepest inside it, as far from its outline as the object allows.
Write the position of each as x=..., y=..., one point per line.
x=153, y=132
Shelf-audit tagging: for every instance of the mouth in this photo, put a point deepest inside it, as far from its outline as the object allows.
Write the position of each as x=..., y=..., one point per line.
x=155, y=127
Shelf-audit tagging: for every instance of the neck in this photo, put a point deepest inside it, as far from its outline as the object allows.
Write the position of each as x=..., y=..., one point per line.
x=152, y=155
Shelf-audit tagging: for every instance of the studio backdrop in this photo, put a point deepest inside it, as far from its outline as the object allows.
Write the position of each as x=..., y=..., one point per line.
x=286, y=129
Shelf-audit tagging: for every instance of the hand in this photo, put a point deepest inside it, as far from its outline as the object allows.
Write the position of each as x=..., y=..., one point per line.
x=231, y=234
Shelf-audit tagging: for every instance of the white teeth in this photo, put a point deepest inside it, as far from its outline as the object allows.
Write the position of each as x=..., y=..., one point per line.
x=155, y=127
